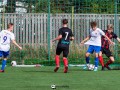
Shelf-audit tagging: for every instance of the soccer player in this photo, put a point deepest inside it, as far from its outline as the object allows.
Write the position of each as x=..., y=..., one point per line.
x=105, y=47
x=64, y=37
x=6, y=36
x=94, y=42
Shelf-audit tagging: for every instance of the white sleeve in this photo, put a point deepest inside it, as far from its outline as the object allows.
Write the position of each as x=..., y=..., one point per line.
x=101, y=32
x=12, y=36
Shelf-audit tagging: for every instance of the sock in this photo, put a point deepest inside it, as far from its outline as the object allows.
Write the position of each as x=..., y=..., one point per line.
x=87, y=60
x=96, y=62
x=108, y=63
x=57, y=61
x=3, y=64
x=101, y=60
x=65, y=61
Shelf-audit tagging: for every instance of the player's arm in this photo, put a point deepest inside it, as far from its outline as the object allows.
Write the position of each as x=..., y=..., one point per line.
x=71, y=36
x=108, y=39
x=57, y=38
x=15, y=43
x=82, y=42
x=118, y=39
x=102, y=33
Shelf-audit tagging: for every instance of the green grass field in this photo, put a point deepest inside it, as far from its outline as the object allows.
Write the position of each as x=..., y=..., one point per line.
x=41, y=78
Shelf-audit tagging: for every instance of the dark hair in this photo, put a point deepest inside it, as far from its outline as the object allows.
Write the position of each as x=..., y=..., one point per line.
x=65, y=21
x=9, y=25
x=93, y=24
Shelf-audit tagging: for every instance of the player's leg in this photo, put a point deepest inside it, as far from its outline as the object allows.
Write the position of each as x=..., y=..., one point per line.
x=57, y=58
x=111, y=59
x=87, y=58
x=97, y=51
x=65, y=60
x=101, y=59
x=109, y=62
x=96, y=62
x=1, y=54
x=4, y=61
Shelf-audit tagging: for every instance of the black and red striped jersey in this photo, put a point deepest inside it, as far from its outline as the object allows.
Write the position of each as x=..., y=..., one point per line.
x=105, y=42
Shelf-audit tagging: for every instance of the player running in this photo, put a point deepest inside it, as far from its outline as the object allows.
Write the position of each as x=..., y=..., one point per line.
x=105, y=47
x=64, y=37
x=6, y=36
x=94, y=42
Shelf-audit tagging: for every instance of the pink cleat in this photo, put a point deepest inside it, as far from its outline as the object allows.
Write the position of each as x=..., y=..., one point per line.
x=1, y=70
x=65, y=69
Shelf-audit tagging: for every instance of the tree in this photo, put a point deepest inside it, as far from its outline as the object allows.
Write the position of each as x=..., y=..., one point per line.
x=11, y=5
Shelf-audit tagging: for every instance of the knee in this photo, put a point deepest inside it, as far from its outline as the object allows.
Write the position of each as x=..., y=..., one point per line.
x=86, y=55
x=112, y=59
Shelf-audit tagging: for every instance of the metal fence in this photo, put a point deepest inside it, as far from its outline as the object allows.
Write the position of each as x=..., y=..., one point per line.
x=31, y=30
x=36, y=22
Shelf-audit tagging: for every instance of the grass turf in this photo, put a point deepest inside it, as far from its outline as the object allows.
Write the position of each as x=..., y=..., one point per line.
x=42, y=78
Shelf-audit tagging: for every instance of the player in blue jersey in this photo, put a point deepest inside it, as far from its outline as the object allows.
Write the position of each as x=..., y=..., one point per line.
x=6, y=36
x=64, y=37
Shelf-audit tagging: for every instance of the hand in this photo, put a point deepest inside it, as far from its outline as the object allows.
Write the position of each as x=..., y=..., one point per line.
x=52, y=40
x=81, y=43
x=71, y=38
x=20, y=48
x=112, y=43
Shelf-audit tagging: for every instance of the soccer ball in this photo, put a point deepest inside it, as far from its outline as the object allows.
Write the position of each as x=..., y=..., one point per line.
x=91, y=67
x=53, y=86
x=13, y=63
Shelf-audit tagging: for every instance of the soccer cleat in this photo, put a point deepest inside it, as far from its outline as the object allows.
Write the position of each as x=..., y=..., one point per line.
x=107, y=67
x=103, y=68
x=86, y=66
x=56, y=69
x=95, y=69
x=1, y=70
x=65, y=69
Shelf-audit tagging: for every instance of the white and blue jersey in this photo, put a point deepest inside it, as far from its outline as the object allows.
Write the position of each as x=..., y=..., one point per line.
x=95, y=37
x=95, y=40
x=5, y=39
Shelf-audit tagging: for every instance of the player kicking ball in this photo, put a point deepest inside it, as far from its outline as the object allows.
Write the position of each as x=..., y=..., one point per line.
x=64, y=37
x=105, y=47
x=94, y=42
x=6, y=36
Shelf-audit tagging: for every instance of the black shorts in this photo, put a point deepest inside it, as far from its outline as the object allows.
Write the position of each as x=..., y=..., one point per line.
x=62, y=48
x=107, y=52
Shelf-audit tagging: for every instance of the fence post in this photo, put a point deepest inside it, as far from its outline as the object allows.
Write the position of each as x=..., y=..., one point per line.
x=48, y=27
x=115, y=27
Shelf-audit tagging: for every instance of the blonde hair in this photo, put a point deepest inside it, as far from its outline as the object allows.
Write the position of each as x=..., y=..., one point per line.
x=110, y=26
